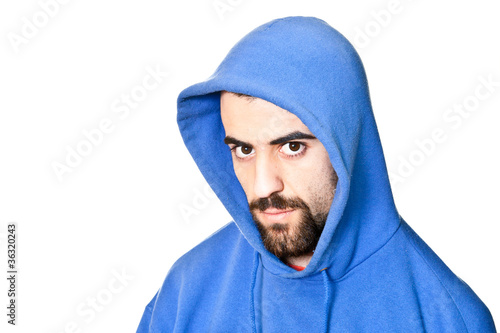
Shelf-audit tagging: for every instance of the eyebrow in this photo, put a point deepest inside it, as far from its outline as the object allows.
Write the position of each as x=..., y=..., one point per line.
x=289, y=137
x=292, y=136
x=231, y=140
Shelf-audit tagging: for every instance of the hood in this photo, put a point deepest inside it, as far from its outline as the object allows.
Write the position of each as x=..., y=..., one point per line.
x=302, y=65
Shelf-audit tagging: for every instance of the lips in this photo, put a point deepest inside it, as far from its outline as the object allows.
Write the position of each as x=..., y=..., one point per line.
x=276, y=215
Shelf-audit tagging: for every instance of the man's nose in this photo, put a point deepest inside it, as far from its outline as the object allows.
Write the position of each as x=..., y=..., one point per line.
x=267, y=177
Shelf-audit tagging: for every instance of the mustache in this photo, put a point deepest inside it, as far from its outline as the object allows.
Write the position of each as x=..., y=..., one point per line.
x=277, y=201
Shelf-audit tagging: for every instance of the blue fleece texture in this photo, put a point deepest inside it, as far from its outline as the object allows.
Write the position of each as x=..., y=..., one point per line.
x=370, y=272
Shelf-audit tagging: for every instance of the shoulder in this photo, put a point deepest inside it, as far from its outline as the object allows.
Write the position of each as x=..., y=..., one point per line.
x=474, y=313
x=217, y=268
x=213, y=256
x=220, y=243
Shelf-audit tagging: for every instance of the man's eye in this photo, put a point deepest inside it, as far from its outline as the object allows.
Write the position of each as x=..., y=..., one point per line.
x=243, y=151
x=292, y=148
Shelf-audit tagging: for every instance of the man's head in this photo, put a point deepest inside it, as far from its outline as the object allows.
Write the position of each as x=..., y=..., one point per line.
x=309, y=69
x=284, y=170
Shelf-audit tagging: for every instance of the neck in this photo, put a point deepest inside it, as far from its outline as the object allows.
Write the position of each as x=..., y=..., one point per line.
x=299, y=261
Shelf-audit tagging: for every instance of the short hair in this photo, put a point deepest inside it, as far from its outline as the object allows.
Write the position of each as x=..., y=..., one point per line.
x=248, y=97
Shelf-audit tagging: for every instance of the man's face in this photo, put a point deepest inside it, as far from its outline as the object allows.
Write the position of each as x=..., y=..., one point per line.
x=284, y=170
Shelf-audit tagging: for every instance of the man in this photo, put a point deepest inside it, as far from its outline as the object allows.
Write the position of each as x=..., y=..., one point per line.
x=285, y=135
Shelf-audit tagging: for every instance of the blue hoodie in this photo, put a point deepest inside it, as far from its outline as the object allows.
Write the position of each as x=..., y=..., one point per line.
x=370, y=272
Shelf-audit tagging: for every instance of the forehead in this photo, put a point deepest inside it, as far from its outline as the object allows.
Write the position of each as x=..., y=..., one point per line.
x=256, y=119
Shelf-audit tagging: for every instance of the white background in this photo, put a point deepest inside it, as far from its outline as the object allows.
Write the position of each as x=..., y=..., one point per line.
x=118, y=211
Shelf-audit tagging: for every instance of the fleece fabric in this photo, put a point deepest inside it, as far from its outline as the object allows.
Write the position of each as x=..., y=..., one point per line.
x=370, y=272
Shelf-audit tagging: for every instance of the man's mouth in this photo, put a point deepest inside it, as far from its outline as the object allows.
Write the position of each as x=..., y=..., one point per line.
x=276, y=215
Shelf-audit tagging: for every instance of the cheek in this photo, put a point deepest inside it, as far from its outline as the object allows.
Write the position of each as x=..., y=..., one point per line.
x=244, y=176
x=318, y=192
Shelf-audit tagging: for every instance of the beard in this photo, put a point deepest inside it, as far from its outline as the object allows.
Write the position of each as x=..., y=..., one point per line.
x=284, y=239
